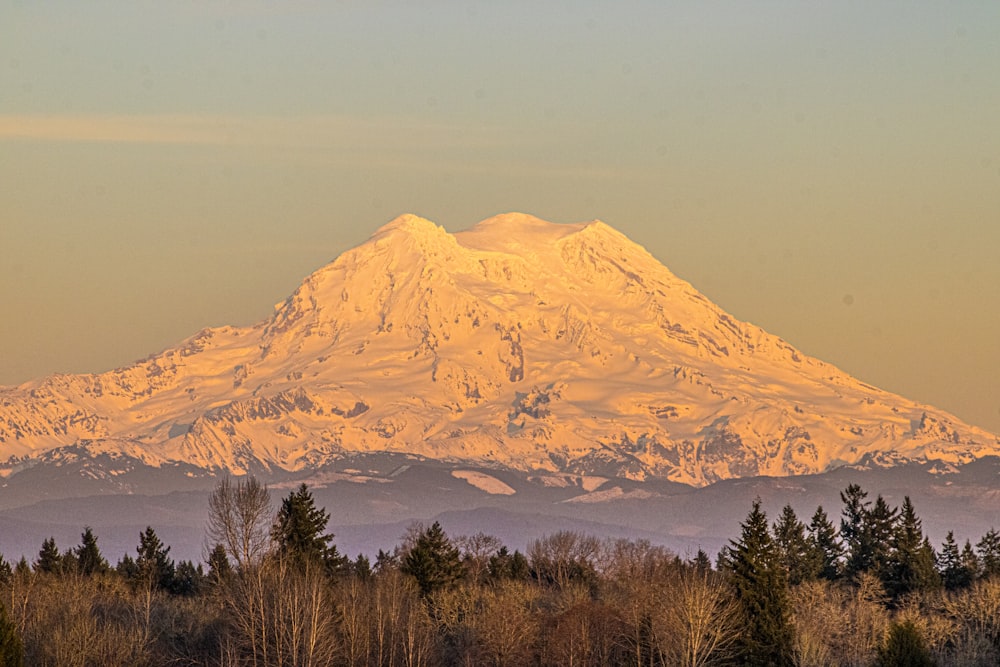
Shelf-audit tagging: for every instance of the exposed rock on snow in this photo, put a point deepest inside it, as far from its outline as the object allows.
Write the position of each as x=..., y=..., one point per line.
x=517, y=343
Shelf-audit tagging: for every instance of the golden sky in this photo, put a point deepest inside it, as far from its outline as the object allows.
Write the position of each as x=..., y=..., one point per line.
x=827, y=170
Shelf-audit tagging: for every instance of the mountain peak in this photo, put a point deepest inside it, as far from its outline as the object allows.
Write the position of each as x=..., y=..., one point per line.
x=518, y=343
x=410, y=224
x=516, y=233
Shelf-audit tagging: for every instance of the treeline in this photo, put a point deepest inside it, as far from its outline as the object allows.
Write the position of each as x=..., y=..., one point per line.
x=276, y=591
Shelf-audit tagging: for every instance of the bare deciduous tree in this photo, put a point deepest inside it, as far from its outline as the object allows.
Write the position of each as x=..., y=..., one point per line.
x=476, y=551
x=563, y=557
x=697, y=620
x=239, y=518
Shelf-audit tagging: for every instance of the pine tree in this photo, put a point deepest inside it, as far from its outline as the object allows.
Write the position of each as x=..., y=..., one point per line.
x=433, y=561
x=362, y=568
x=506, y=565
x=989, y=553
x=760, y=588
x=127, y=568
x=188, y=579
x=298, y=532
x=854, y=531
x=793, y=547
x=49, y=558
x=880, y=527
x=88, y=556
x=219, y=569
x=904, y=647
x=824, y=547
x=386, y=561
x=970, y=561
x=153, y=567
x=911, y=561
x=701, y=562
x=953, y=573
x=6, y=572
x=11, y=647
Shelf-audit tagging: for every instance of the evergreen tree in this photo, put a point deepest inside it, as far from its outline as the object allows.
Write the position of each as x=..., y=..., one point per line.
x=362, y=568
x=825, y=550
x=911, y=561
x=11, y=647
x=433, y=560
x=793, y=547
x=904, y=647
x=152, y=565
x=880, y=526
x=49, y=558
x=188, y=579
x=701, y=562
x=67, y=561
x=6, y=572
x=970, y=561
x=506, y=565
x=854, y=531
x=953, y=572
x=127, y=568
x=219, y=569
x=989, y=553
x=760, y=587
x=386, y=561
x=88, y=556
x=298, y=532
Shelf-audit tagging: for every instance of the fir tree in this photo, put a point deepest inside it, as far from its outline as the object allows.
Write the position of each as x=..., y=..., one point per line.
x=904, y=647
x=701, y=562
x=953, y=572
x=219, y=569
x=793, y=547
x=433, y=561
x=298, y=532
x=6, y=572
x=11, y=647
x=988, y=549
x=911, y=561
x=854, y=531
x=760, y=588
x=127, y=568
x=880, y=526
x=88, y=556
x=506, y=565
x=188, y=579
x=824, y=547
x=152, y=565
x=970, y=561
x=49, y=558
x=362, y=568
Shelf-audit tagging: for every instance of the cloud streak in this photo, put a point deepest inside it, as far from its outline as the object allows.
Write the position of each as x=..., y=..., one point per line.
x=255, y=131
x=394, y=142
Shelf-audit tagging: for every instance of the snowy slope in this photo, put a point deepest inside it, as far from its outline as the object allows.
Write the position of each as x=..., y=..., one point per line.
x=517, y=343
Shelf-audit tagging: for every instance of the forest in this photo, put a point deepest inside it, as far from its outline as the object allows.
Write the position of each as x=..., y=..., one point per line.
x=869, y=589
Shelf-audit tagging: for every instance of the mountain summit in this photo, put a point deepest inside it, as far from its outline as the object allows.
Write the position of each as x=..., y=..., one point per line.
x=517, y=343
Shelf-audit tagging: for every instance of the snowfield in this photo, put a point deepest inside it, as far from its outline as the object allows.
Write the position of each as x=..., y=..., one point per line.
x=519, y=344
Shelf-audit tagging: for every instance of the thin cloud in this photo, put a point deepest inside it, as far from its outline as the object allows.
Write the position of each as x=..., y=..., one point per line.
x=394, y=142
x=257, y=131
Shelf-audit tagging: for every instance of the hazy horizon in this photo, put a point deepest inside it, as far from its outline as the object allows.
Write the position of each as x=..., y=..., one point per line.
x=827, y=171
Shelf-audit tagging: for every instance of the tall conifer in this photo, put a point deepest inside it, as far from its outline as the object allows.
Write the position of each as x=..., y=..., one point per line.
x=299, y=532
x=825, y=549
x=760, y=588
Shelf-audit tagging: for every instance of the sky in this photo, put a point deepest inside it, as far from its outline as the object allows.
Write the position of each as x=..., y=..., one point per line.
x=829, y=171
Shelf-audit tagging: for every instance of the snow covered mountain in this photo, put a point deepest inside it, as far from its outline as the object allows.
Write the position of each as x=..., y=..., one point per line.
x=516, y=344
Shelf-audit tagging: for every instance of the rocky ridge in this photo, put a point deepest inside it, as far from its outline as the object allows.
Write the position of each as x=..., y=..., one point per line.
x=516, y=344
